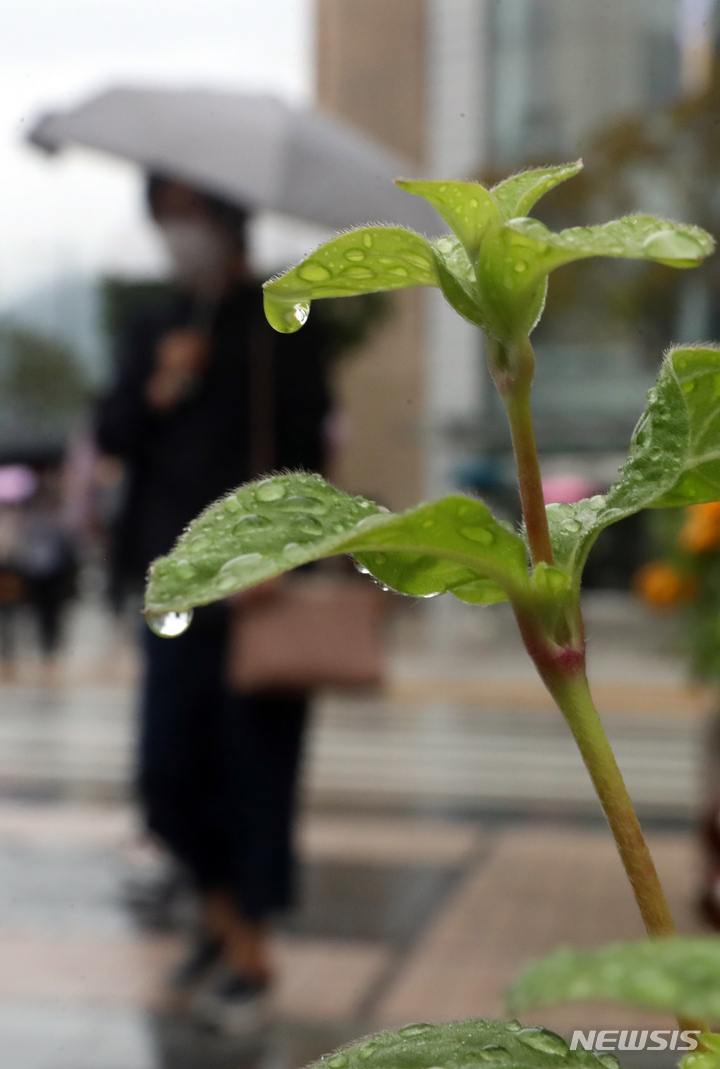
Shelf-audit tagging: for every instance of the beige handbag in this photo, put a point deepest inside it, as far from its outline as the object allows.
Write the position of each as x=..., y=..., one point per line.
x=313, y=627
x=311, y=630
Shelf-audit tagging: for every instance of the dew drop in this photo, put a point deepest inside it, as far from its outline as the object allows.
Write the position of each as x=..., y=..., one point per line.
x=301, y=311
x=513, y=1026
x=433, y=594
x=185, y=570
x=415, y=260
x=291, y=547
x=242, y=562
x=520, y=266
x=367, y=1051
x=270, y=490
x=672, y=245
x=354, y=255
x=358, y=272
x=312, y=271
x=544, y=1040
x=303, y=503
x=338, y=1062
x=168, y=624
x=361, y=568
x=367, y=241
x=251, y=522
x=232, y=505
x=308, y=525
x=688, y=387
x=478, y=534
x=381, y=558
x=493, y=1052
x=571, y=526
x=401, y=272
x=418, y=1029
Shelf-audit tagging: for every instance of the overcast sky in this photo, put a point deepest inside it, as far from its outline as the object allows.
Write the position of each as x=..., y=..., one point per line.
x=81, y=211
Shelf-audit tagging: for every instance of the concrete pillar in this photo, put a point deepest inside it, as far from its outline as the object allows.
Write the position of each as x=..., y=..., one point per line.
x=371, y=71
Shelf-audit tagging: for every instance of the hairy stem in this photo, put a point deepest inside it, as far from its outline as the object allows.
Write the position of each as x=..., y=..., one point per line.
x=513, y=373
x=572, y=694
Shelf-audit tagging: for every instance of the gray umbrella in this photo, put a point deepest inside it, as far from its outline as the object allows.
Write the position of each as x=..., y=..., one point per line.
x=254, y=150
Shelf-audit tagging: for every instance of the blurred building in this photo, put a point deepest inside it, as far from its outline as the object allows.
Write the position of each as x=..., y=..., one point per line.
x=465, y=87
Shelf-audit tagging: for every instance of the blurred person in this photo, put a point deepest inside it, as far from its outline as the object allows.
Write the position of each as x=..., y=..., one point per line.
x=47, y=560
x=217, y=771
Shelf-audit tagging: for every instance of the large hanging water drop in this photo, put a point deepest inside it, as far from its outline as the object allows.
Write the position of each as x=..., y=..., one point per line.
x=168, y=624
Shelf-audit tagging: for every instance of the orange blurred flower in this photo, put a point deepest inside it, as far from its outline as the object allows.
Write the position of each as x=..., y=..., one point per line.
x=701, y=531
x=662, y=585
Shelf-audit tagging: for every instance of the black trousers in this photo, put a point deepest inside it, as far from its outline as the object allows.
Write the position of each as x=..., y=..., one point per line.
x=218, y=772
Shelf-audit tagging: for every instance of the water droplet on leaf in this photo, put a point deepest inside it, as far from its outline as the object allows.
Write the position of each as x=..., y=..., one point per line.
x=270, y=490
x=242, y=562
x=493, y=1052
x=312, y=271
x=251, y=522
x=358, y=272
x=673, y=245
x=232, y=505
x=478, y=534
x=338, y=1062
x=367, y=241
x=354, y=255
x=418, y=1029
x=544, y=1040
x=168, y=624
x=303, y=503
x=301, y=311
x=688, y=387
x=308, y=525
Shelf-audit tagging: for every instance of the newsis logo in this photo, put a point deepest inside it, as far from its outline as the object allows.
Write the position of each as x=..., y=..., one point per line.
x=614, y=1039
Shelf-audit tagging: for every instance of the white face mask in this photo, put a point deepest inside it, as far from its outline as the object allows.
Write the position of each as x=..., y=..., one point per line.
x=198, y=252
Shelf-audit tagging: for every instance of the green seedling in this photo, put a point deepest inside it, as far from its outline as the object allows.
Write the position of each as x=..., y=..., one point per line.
x=493, y=269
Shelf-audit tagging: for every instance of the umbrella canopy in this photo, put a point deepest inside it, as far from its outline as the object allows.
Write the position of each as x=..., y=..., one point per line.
x=253, y=150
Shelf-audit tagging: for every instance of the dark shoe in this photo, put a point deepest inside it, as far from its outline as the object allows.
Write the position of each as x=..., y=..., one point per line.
x=202, y=956
x=236, y=1007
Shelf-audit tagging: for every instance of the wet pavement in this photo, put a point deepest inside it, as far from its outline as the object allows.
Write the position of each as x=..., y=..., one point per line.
x=447, y=835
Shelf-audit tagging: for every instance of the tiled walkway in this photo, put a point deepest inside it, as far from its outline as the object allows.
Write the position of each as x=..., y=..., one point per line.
x=447, y=836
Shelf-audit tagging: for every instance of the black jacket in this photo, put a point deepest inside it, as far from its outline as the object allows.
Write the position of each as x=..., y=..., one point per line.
x=180, y=461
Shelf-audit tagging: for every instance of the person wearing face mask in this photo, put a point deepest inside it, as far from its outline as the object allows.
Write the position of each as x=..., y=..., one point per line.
x=206, y=397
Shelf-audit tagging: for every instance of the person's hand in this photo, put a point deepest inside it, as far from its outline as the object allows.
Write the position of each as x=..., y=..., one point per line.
x=181, y=357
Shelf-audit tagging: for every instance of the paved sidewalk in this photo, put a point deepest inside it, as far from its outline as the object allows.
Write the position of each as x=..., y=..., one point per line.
x=449, y=834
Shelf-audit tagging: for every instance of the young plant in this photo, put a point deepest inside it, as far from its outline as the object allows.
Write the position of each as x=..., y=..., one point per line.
x=493, y=269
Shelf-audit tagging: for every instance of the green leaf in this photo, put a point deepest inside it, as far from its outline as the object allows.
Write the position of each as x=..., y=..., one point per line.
x=708, y=1058
x=515, y=260
x=674, y=456
x=466, y=207
x=456, y=276
x=516, y=195
x=269, y=527
x=635, y=237
x=360, y=261
x=460, y=1044
x=678, y=976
